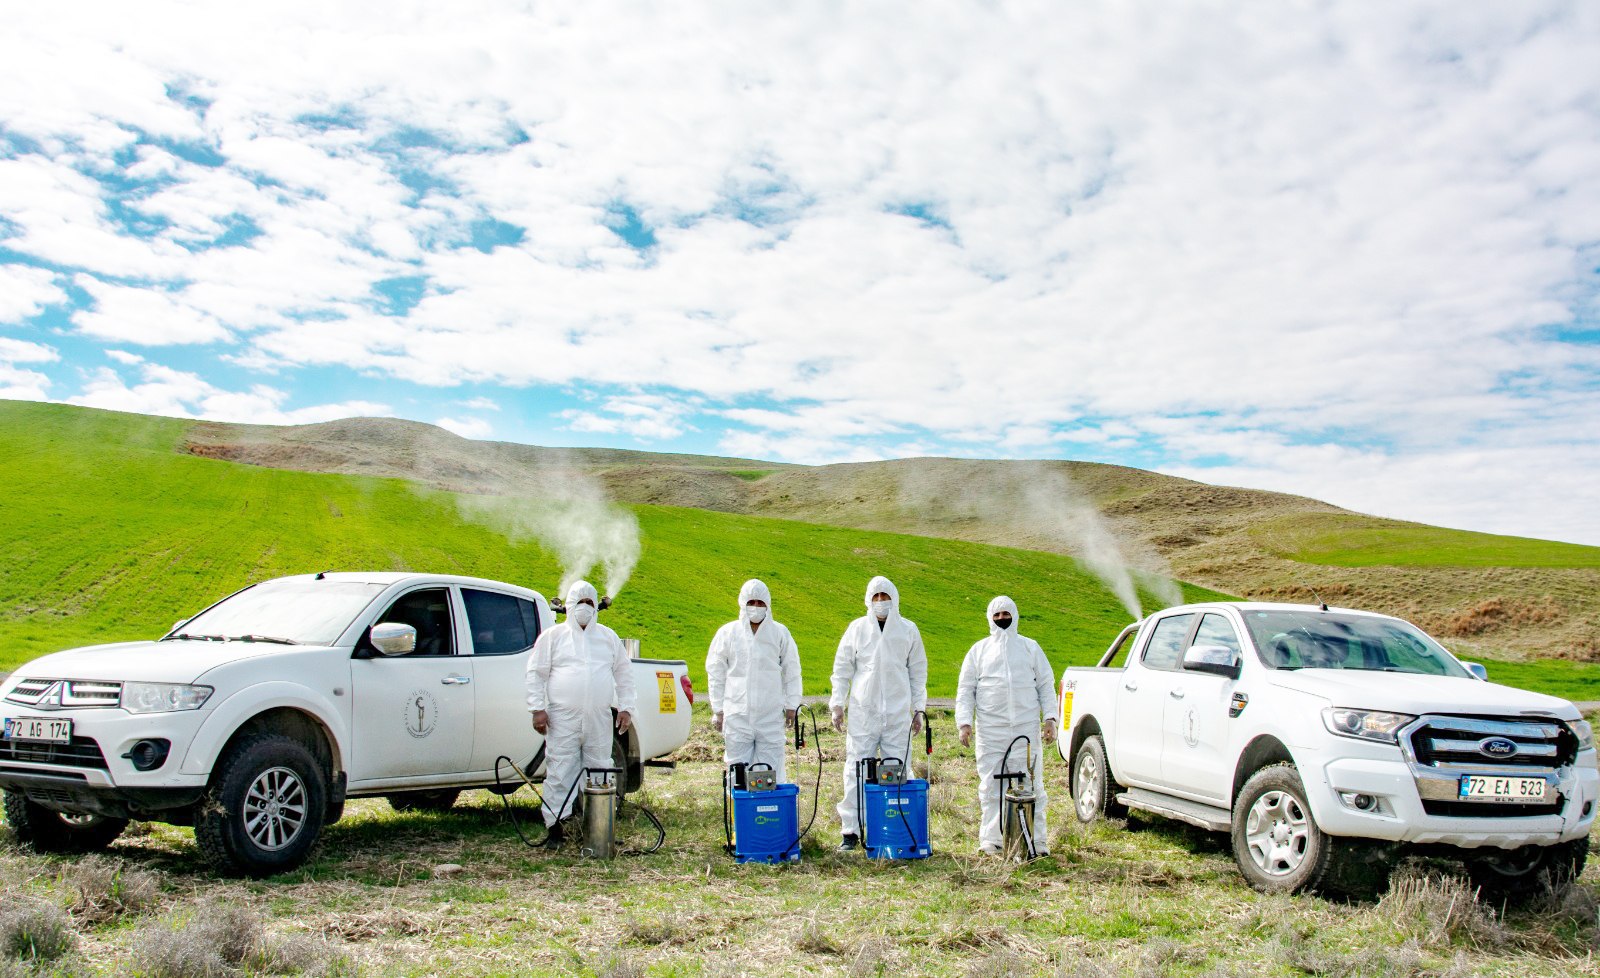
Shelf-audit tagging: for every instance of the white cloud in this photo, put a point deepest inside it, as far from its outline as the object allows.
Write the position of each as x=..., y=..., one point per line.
x=150, y=317
x=479, y=404
x=475, y=428
x=876, y=228
x=124, y=357
x=643, y=416
x=24, y=292
x=181, y=394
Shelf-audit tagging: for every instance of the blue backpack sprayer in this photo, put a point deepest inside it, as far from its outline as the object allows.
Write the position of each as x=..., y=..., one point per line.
x=760, y=818
x=894, y=808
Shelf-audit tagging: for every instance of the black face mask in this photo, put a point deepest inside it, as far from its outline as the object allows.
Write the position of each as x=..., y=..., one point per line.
x=1004, y=623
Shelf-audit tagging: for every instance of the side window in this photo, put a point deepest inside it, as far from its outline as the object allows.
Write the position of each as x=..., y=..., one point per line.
x=1217, y=630
x=500, y=623
x=428, y=611
x=1165, y=650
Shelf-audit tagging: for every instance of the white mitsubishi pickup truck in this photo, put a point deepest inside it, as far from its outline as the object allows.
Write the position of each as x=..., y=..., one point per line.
x=254, y=720
x=1328, y=742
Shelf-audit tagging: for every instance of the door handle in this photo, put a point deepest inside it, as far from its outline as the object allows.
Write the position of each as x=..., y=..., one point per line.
x=1176, y=694
x=1132, y=686
x=455, y=680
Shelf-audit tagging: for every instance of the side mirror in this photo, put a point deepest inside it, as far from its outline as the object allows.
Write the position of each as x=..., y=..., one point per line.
x=1218, y=660
x=393, y=638
x=1478, y=669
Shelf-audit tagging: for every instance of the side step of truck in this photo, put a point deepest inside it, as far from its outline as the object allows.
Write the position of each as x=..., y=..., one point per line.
x=1193, y=812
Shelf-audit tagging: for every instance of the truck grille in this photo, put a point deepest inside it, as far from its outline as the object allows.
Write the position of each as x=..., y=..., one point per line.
x=81, y=752
x=1481, y=742
x=1478, y=809
x=63, y=694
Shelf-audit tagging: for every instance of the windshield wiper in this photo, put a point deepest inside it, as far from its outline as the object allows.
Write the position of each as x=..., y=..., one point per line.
x=186, y=637
x=264, y=638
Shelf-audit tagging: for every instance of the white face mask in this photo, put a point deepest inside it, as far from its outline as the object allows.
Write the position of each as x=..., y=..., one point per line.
x=583, y=614
x=756, y=614
x=880, y=609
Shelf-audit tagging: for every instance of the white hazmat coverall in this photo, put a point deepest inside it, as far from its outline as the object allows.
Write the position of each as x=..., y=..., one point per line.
x=754, y=678
x=1006, y=685
x=576, y=675
x=882, y=673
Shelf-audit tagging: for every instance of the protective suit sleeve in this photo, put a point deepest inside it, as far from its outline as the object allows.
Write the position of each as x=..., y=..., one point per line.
x=1045, y=683
x=844, y=670
x=791, y=672
x=917, y=668
x=622, y=675
x=717, y=667
x=538, y=678
x=967, y=688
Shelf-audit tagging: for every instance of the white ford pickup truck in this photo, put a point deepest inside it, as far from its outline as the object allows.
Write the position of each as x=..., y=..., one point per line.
x=254, y=720
x=1327, y=742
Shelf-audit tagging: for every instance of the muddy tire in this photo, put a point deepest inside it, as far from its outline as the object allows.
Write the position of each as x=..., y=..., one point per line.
x=47, y=830
x=264, y=809
x=436, y=800
x=1276, y=842
x=1516, y=875
x=1094, y=793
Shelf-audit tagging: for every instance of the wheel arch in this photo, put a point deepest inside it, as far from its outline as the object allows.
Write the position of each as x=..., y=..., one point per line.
x=277, y=707
x=1082, y=731
x=1261, y=752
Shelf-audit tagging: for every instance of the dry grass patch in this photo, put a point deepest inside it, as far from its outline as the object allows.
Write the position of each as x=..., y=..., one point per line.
x=107, y=889
x=33, y=930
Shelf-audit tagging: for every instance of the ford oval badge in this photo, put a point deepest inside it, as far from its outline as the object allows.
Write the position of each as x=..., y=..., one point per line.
x=1497, y=747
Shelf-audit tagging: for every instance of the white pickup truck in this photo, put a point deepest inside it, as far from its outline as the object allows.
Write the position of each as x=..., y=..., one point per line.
x=1327, y=742
x=254, y=720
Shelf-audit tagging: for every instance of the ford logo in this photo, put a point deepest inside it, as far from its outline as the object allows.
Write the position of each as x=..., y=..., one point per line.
x=1497, y=747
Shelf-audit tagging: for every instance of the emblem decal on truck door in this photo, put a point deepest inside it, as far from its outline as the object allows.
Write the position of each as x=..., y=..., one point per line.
x=1191, y=727
x=421, y=712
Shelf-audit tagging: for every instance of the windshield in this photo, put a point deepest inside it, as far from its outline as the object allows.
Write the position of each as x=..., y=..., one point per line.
x=302, y=611
x=1329, y=640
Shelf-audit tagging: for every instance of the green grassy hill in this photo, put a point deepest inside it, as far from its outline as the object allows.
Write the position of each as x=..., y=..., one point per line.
x=109, y=533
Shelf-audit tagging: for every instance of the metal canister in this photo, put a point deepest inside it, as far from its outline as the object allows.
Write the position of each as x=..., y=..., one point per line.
x=599, y=817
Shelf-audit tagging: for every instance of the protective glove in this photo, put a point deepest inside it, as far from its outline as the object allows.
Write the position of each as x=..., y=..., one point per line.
x=966, y=735
x=916, y=723
x=624, y=721
x=1050, y=732
x=541, y=721
x=716, y=722
x=838, y=719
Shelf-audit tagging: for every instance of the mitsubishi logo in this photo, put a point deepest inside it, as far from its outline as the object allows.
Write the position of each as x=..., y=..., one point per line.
x=1497, y=747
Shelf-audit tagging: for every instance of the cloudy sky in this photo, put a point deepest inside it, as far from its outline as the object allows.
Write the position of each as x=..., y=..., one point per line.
x=1344, y=249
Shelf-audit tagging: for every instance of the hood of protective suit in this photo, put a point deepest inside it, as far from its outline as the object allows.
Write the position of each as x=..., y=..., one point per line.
x=885, y=586
x=1002, y=603
x=576, y=593
x=753, y=590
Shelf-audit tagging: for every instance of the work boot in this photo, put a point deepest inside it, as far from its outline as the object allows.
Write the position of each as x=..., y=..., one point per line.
x=555, y=837
x=849, y=842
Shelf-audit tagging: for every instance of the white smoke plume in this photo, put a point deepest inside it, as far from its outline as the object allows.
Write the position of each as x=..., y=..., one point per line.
x=567, y=511
x=1041, y=505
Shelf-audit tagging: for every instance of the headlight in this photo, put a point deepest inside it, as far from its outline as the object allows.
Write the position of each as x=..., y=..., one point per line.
x=1585, y=734
x=1364, y=724
x=162, y=697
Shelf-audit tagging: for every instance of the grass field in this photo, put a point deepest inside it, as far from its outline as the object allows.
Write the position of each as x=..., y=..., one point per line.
x=1147, y=898
x=110, y=534
x=1353, y=540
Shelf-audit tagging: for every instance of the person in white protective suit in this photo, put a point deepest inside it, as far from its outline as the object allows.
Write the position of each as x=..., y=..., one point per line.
x=881, y=672
x=577, y=670
x=753, y=668
x=1006, y=687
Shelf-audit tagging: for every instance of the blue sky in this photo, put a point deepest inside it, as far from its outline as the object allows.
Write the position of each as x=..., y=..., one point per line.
x=1349, y=250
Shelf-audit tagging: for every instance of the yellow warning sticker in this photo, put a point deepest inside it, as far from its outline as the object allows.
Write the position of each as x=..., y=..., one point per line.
x=1068, y=687
x=669, y=692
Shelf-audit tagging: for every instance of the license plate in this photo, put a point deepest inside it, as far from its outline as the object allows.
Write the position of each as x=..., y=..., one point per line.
x=1476, y=788
x=47, y=729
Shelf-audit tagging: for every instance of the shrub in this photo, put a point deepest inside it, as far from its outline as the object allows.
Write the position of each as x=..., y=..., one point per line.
x=34, y=930
x=108, y=890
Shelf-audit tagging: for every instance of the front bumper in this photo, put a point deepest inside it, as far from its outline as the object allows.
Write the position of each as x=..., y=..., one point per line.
x=91, y=775
x=1402, y=795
